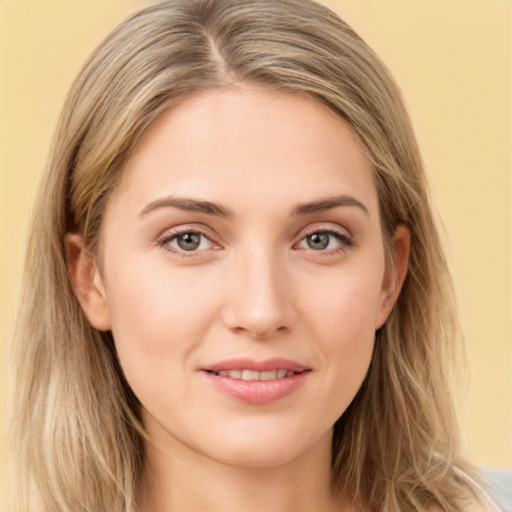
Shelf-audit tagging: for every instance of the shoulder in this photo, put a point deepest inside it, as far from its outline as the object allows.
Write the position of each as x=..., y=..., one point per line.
x=477, y=500
x=480, y=504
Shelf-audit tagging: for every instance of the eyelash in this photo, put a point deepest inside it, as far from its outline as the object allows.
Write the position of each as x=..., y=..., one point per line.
x=165, y=241
x=345, y=241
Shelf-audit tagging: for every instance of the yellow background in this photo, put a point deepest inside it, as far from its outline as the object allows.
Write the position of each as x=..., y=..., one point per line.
x=453, y=60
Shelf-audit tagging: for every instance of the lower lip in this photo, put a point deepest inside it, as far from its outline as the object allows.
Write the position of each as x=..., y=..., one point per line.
x=257, y=392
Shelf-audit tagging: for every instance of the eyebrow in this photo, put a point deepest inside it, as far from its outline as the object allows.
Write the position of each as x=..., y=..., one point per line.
x=328, y=203
x=209, y=208
x=188, y=205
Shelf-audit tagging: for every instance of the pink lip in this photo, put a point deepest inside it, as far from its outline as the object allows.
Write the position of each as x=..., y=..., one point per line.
x=265, y=365
x=257, y=392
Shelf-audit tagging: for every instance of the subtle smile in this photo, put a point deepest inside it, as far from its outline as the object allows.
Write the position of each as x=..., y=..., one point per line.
x=255, y=375
x=257, y=382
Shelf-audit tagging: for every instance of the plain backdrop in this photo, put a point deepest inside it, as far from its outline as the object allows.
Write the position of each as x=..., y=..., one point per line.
x=453, y=61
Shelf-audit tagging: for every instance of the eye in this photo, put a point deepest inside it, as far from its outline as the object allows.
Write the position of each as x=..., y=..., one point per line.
x=325, y=241
x=187, y=241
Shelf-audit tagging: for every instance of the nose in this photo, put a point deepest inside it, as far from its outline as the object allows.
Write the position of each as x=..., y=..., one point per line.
x=260, y=301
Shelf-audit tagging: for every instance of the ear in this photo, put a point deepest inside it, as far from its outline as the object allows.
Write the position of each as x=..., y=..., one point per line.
x=395, y=274
x=87, y=282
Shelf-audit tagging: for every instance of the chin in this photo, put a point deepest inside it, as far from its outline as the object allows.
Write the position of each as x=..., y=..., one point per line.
x=266, y=447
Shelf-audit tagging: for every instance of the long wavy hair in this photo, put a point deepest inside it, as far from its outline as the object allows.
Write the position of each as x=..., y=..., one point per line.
x=76, y=433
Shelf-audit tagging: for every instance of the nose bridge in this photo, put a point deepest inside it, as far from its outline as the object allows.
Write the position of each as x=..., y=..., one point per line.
x=259, y=302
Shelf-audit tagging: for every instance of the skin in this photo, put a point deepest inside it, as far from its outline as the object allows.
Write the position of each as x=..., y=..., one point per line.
x=255, y=287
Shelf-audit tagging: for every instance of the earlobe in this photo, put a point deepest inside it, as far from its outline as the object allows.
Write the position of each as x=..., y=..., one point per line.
x=87, y=282
x=395, y=274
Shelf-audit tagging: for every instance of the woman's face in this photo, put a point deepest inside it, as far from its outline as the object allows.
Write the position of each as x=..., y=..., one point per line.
x=242, y=274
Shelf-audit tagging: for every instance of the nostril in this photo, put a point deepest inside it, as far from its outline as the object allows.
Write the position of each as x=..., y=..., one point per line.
x=260, y=303
x=258, y=328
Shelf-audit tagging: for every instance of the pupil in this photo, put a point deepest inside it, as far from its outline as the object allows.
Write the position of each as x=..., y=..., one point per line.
x=318, y=241
x=189, y=241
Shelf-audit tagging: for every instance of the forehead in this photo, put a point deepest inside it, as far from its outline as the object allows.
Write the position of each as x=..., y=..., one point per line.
x=248, y=146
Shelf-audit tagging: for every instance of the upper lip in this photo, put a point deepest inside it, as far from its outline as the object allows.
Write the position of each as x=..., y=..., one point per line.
x=264, y=365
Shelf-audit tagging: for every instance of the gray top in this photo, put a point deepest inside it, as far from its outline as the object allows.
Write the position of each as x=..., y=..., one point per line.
x=498, y=484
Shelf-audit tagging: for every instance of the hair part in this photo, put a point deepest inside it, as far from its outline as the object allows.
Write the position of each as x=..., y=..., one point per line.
x=76, y=431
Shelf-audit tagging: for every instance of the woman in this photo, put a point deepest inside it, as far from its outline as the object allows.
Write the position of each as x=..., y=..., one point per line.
x=235, y=293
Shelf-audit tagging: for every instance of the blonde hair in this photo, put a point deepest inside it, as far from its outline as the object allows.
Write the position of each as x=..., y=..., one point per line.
x=76, y=431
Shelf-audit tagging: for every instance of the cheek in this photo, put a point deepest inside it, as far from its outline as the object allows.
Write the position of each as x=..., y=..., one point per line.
x=345, y=303
x=341, y=320
x=157, y=321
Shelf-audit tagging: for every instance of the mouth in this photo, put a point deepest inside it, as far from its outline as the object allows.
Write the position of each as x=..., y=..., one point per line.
x=249, y=375
x=257, y=382
x=251, y=369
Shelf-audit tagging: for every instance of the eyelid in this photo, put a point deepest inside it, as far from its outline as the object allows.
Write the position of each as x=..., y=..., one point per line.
x=171, y=234
x=343, y=235
x=324, y=227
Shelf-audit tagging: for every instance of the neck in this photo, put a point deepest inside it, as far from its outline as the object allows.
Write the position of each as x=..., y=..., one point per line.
x=184, y=480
